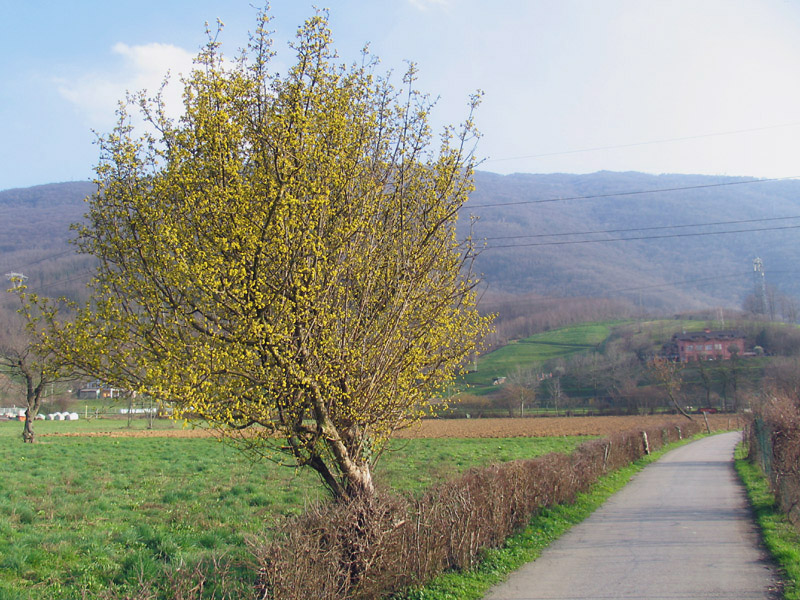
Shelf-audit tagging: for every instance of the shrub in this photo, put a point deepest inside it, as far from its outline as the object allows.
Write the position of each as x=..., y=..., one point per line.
x=774, y=437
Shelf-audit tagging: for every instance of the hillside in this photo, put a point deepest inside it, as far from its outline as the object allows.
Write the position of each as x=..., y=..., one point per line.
x=674, y=273
x=669, y=273
x=35, y=233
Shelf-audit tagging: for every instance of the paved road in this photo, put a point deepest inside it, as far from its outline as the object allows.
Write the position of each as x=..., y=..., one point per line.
x=681, y=529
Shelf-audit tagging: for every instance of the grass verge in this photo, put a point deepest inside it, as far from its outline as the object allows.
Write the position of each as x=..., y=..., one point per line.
x=780, y=537
x=544, y=528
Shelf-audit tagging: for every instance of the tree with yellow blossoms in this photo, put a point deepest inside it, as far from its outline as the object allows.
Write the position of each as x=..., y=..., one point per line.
x=281, y=262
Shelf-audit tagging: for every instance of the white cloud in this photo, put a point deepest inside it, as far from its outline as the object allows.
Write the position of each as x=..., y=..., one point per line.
x=142, y=67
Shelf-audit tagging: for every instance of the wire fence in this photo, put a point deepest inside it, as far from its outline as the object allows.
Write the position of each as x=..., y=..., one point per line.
x=774, y=436
x=18, y=413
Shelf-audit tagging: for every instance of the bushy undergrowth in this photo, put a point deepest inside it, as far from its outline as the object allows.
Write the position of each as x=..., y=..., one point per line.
x=774, y=441
x=376, y=547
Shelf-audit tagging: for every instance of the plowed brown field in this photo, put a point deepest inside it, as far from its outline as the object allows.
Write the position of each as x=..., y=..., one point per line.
x=481, y=428
x=139, y=433
x=548, y=426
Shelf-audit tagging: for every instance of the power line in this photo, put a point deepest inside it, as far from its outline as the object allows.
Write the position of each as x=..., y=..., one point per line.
x=678, y=283
x=46, y=257
x=597, y=231
x=80, y=275
x=643, y=287
x=647, y=143
x=631, y=193
x=643, y=237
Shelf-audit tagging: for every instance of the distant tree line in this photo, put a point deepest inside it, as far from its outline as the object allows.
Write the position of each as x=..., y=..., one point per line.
x=523, y=315
x=779, y=306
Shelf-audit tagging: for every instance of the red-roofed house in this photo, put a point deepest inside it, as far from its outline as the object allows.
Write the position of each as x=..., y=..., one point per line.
x=709, y=345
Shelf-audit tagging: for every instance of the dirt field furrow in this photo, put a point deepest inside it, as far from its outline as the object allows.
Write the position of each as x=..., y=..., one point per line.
x=479, y=428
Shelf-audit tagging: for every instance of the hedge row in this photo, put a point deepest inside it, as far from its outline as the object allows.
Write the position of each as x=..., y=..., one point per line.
x=378, y=546
x=774, y=442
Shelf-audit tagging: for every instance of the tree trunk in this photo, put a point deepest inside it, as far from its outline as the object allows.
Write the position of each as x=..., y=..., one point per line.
x=351, y=482
x=680, y=410
x=27, y=430
x=33, y=397
x=150, y=415
x=358, y=481
x=356, y=475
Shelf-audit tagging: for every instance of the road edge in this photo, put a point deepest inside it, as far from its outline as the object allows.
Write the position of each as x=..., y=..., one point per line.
x=779, y=537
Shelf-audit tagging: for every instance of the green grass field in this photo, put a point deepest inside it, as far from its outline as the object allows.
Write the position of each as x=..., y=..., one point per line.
x=79, y=515
x=536, y=350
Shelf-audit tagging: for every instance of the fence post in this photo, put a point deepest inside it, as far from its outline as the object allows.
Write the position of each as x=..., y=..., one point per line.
x=646, y=443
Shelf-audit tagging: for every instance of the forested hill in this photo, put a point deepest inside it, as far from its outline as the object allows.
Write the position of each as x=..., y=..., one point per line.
x=675, y=273
x=33, y=237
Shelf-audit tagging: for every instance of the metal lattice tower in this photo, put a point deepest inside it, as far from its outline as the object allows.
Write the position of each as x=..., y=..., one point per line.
x=16, y=279
x=759, y=286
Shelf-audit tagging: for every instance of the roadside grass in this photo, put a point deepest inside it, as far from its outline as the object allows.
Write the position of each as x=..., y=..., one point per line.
x=780, y=537
x=81, y=515
x=543, y=529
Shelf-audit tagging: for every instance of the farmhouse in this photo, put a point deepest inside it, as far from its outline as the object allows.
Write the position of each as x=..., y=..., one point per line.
x=97, y=389
x=708, y=345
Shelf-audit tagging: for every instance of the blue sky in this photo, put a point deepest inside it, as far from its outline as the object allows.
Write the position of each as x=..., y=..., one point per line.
x=577, y=86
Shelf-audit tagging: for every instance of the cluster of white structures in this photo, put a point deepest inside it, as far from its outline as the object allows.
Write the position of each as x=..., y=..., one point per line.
x=16, y=414
x=60, y=416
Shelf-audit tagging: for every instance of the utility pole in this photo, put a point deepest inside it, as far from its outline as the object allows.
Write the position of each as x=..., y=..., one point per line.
x=16, y=279
x=759, y=286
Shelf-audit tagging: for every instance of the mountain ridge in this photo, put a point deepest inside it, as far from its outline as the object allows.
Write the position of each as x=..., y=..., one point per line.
x=555, y=211
x=557, y=204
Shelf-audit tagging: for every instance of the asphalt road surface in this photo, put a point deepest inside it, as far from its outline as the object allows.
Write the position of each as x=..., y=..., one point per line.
x=681, y=529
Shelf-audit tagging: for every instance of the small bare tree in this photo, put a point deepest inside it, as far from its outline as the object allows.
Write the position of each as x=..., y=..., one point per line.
x=706, y=373
x=555, y=388
x=522, y=386
x=730, y=372
x=669, y=375
x=22, y=360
